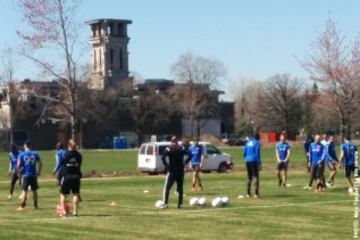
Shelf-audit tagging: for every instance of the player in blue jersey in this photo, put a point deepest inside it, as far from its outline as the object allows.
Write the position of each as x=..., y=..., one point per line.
x=317, y=164
x=348, y=159
x=30, y=165
x=253, y=164
x=197, y=163
x=13, y=173
x=282, y=150
x=59, y=155
x=331, y=159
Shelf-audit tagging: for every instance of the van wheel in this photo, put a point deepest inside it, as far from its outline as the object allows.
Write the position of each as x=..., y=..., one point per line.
x=223, y=167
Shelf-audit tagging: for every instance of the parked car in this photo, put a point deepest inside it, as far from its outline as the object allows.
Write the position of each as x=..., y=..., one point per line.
x=149, y=158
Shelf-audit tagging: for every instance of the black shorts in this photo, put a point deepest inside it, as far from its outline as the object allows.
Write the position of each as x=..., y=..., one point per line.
x=70, y=184
x=58, y=178
x=252, y=170
x=282, y=166
x=317, y=171
x=195, y=167
x=29, y=181
x=349, y=170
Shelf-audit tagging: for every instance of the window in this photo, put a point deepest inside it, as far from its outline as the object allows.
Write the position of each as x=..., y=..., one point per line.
x=142, y=149
x=150, y=150
x=100, y=60
x=121, y=58
x=120, y=30
x=110, y=30
x=95, y=67
x=93, y=29
x=111, y=57
x=210, y=149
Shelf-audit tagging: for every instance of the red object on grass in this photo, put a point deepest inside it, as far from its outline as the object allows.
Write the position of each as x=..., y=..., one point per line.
x=60, y=211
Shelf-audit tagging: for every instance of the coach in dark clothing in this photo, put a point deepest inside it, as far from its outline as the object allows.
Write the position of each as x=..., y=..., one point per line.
x=175, y=166
x=71, y=175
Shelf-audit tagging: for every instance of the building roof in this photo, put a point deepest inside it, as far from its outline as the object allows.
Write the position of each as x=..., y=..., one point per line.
x=107, y=20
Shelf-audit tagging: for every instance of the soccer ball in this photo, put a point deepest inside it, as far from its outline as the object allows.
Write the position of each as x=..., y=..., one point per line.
x=202, y=201
x=216, y=202
x=60, y=211
x=194, y=201
x=225, y=200
x=159, y=204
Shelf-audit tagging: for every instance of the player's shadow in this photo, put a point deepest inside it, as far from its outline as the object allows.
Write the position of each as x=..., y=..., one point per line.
x=97, y=215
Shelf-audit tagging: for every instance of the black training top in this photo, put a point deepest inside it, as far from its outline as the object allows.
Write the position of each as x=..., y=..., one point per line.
x=176, y=154
x=71, y=163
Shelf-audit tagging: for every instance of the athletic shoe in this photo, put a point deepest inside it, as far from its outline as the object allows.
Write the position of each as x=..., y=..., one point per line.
x=328, y=185
x=256, y=196
x=288, y=185
x=20, y=209
x=75, y=214
x=10, y=196
x=164, y=206
x=307, y=188
x=248, y=196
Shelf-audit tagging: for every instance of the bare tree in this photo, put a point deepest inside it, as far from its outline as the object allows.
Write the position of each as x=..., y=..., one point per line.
x=52, y=29
x=199, y=75
x=7, y=65
x=279, y=103
x=335, y=65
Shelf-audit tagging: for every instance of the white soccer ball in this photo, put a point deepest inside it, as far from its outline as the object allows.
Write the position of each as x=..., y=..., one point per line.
x=216, y=202
x=194, y=201
x=225, y=200
x=159, y=203
x=202, y=201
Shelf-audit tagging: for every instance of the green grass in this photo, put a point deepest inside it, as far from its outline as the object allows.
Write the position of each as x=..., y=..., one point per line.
x=290, y=213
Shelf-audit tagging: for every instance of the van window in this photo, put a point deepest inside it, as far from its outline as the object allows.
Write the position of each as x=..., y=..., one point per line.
x=210, y=149
x=142, y=149
x=150, y=150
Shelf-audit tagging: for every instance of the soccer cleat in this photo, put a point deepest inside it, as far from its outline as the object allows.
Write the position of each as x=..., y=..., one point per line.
x=256, y=196
x=248, y=196
x=307, y=188
x=164, y=206
x=10, y=196
x=328, y=185
x=75, y=214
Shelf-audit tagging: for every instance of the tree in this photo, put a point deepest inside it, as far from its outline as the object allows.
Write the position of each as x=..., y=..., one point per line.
x=199, y=75
x=335, y=65
x=52, y=29
x=7, y=65
x=279, y=103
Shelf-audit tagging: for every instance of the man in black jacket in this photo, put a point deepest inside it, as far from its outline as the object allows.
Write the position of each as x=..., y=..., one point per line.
x=71, y=175
x=175, y=166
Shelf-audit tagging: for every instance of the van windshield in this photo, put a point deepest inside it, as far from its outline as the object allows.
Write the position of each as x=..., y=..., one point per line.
x=142, y=149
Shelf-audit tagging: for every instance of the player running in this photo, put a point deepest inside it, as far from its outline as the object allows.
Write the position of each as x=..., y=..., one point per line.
x=13, y=173
x=28, y=162
x=316, y=164
x=197, y=163
x=253, y=164
x=71, y=176
x=282, y=155
x=348, y=160
x=175, y=166
x=59, y=155
x=331, y=160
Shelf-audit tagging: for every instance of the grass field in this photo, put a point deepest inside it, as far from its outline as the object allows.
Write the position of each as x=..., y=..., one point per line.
x=118, y=208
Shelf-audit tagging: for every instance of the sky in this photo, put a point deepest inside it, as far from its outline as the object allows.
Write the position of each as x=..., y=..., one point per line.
x=254, y=39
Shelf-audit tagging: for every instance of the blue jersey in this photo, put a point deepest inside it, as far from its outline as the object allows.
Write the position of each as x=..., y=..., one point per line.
x=282, y=150
x=59, y=155
x=348, y=150
x=13, y=157
x=28, y=160
x=316, y=153
x=196, y=153
x=330, y=151
x=252, y=151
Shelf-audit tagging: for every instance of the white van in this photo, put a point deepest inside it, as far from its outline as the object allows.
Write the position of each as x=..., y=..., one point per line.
x=149, y=158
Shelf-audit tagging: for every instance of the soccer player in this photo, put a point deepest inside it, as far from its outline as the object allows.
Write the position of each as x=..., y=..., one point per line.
x=331, y=160
x=28, y=162
x=197, y=163
x=282, y=155
x=175, y=167
x=253, y=164
x=309, y=139
x=59, y=155
x=71, y=176
x=316, y=164
x=348, y=159
x=13, y=173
